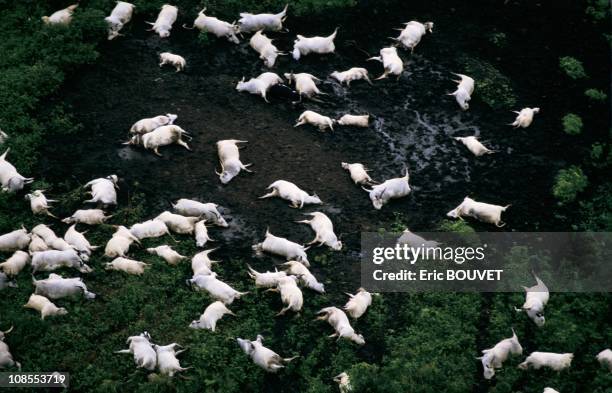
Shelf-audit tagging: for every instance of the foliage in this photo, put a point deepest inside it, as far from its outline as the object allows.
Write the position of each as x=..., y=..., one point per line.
x=598, y=10
x=458, y=226
x=596, y=214
x=595, y=94
x=493, y=87
x=568, y=183
x=498, y=38
x=572, y=67
x=572, y=124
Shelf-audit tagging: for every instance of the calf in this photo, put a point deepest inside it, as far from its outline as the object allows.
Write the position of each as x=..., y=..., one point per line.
x=88, y=216
x=178, y=62
x=305, y=84
x=535, y=300
x=120, y=15
x=493, y=358
x=317, y=120
x=188, y=207
x=229, y=157
x=283, y=247
x=15, y=263
x=291, y=295
x=303, y=46
x=339, y=321
x=61, y=17
x=119, y=244
x=605, y=358
x=44, y=306
x=358, y=303
x=474, y=146
x=142, y=349
x=411, y=35
x=324, y=230
x=392, y=63
x=165, y=20
x=39, y=204
x=37, y=244
x=267, y=279
x=126, y=265
x=178, y=223
x=415, y=241
x=167, y=362
x=259, y=85
x=395, y=188
x=10, y=179
x=216, y=288
x=484, y=212
x=254, y=22
x=167, y=253
x=56, y=287
x=162, y=136
x=262, y=356
x=290, y=192
x=305, y=277
x=554, y=361
x=51, y=260
x=358, y=172
x=355, y=120
x=201, y=234
x=352, y=74
x=201, y=263
x=147, y=125
x=344, y=382
x=16, y=240
x=524, y=118
x=6, y=359
x=267, y=51
x=149, y=229
x=103, y=190
x=213, y=313
x=78, y=241
x=465, y=88
x=215, y=26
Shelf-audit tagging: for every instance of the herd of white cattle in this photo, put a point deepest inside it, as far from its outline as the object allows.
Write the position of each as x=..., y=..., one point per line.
x=47, y=252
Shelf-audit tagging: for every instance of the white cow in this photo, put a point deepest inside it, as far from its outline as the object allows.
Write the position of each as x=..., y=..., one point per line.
x=465, y=88
x=324, y=230
x=290, y=192
x=10, y=179
x=605, y=358
x=119, y=244
x=339, y=321
x=201, y=263
x=267, y=51
x=167, y=361
x=303, y=46
x=78, y=241
x=44, y=306
x=305, y=277
x=103, y=190
x=415, y=241
x=493, y=358
x=161, y=136
x=394, y=188
x=392, y=63
x=120, y=15
x=39, y=204
x=474, y=146
x=524, y=118
x=411, y=35
x=305, y=84
x=259, y=85
x=178, y=223
x=37, y=244
x=166, y=253
x=484, y=212
x=61, y=17
x=215, y=26
x=147, y=125
x=87, y=216
x=142, y=349
x=188, y=207
x=358, y=172
x=6, y=359
x=554, y=361
x=317, y=120
x=358, y=303
x=165, y=20
x=355, y=120
x=535, y=300
x=51, y=260
x=291, y=295
x=177, y=61
x=201, y=234
x=215, y=287
x=267, y=279
x=126, y=265
x=253, y=22
x=213, y=313
x=57, y=287
x=550, y=390
x=15, y=263
x=149, y=229
x=352, y=74
x=283, y=247
x=15, y=240
x=229, y=156
x=262, y=356
x=344, y=382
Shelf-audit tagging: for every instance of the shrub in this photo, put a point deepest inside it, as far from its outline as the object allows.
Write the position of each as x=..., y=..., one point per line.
x=572, y=67
x=572, y=124
x=568, y=183
x=595, y=94
x=458, y=226
x=494, y=88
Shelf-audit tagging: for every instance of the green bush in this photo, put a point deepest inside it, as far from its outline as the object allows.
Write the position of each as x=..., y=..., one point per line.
x=598, y=10
x=458, y=226
x=493, y=87
x=572, y=124
x=568, y=183
x=595, y=94
x=572, y=67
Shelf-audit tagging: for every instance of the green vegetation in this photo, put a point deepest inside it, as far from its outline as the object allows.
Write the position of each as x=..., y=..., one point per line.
x=459, y=226
x=572, y=124
x=568, y=183
x=572, y=67
x=595, y=94
x=493, y=87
